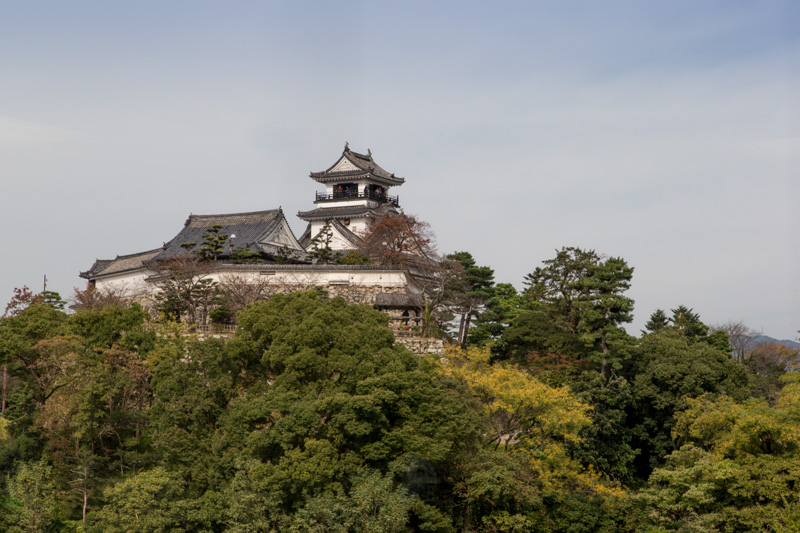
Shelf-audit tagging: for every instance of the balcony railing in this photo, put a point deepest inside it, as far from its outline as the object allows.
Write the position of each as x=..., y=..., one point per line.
x=369, y=195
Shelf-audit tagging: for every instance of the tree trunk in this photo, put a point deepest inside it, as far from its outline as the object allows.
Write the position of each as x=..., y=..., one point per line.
x=466, y=330
x=604, y=366
x=461, y=334
x=85, y=496
x=5, y=384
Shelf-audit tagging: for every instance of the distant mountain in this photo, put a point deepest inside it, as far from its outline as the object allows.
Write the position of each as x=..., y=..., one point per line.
x=791, y=344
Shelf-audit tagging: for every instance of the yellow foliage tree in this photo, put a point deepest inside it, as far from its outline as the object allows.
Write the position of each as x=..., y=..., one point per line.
x=525, y=417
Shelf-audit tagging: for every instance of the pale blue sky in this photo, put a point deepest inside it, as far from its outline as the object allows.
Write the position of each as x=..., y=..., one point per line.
x=665, y=133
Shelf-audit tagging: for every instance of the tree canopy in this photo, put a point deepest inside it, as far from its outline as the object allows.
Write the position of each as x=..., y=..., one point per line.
x=542, y=414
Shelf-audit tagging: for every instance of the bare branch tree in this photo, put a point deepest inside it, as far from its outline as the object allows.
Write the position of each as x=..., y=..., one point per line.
x=741, y=338
x=93, y=298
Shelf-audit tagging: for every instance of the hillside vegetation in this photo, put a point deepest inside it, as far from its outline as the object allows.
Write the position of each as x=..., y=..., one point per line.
x=542, y=415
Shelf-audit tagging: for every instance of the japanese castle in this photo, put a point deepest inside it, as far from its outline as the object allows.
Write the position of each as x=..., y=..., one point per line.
x=357, y=190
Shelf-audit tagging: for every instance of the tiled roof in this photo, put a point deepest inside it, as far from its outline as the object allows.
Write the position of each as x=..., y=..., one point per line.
x=390, y=299
x=247, y=227
x=367, y=168
x=335, y=212
x=323, y=213
x=122, y=263
x=305, y=238
x=98, y=266
x=347, y=233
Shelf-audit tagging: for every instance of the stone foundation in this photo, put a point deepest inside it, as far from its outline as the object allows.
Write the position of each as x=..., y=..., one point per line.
x=360, y=294
x=422, y=345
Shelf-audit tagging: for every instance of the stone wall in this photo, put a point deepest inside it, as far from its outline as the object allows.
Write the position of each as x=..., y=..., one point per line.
x=360, y=294
x=422, y=345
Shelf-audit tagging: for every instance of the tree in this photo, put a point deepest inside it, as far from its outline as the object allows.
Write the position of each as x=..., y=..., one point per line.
x=325, y=394
x=768, y=362
x=500, y=310
x=607, y=443
x=237, y=291
x=149, y=501
x=354, y=257
x=320, y=246
x=22, y=299
x=52, y=299
x=468, y=292
x=213, y=244
x=243, y=255
x=736, y=469
x=93, y=414
x=667, y=370
x=609, y=309
x=559, y=285
x=527, y=421
x=375, y=503
x=658, y=322
x=33, y=504
x=91, y=299
x=400, y=239
x=741, y=338
x=534, y=333
x=583, y=293
x=284, y=255
x=186, y=289
x=687, y=323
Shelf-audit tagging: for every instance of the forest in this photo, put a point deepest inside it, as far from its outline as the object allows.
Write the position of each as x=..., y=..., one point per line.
x=543, y=414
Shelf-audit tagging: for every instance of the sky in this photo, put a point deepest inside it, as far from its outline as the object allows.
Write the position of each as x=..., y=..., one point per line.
x=665, y=133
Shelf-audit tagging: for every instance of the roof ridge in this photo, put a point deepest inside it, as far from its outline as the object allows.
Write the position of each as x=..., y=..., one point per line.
x=348, y=234
x=126, y=256
x=244, y=213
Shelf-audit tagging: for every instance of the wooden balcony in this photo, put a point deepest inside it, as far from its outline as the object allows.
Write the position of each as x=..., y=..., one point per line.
x=339, y=196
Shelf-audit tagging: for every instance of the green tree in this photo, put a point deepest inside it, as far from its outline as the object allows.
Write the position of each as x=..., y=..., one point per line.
x=244, y=255
x=686, y=322
x=468, y=292
x=114, y=325
x=213, y=244
x=489, y=327
x=186, y=290
x=320, y=247
x=354, y=257
x=768, y=362
x=308, y=394
x=534, y=334
x=736, y=470
x=283, y=255
x=668, y=369
x=374, y=503
x=149, y=501
x=658, y=321
x=32, y=504
x=93, y=418
x=607, y=443
x=525, y=475
x=583, y=293
x=559, y=285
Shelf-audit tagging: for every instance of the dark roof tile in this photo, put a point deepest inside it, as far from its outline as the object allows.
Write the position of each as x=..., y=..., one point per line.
x=247, y=227
x=323, y=213
x=367, y=168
